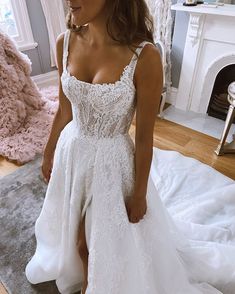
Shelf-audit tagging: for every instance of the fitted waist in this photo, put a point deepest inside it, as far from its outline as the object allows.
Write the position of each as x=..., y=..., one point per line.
x=119, y=142
x=95, y=135
x=103, y=138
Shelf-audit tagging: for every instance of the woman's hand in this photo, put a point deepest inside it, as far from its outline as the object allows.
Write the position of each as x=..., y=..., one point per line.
x=46, y=168
x=136, y=208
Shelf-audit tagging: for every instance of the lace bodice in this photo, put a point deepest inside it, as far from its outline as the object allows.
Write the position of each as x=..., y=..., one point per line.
x=101, y=110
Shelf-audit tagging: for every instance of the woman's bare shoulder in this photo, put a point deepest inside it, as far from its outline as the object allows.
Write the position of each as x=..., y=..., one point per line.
x=59, y=51
x=150, y=57
x=60, y=39
x=149, y=66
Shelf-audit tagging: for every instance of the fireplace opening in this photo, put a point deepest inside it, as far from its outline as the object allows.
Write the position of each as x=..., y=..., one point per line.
x=218, y=105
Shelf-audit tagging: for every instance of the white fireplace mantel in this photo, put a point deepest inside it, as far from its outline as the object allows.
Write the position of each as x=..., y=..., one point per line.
x=209, y=47
x=226, y=9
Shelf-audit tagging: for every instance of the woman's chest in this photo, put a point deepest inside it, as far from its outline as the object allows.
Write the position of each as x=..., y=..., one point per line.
x=116, y=97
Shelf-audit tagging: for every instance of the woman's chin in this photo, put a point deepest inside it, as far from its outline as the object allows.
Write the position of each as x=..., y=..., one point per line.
x=77, y=22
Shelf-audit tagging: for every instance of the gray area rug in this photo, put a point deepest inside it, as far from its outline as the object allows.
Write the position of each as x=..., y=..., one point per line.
x=21, y=198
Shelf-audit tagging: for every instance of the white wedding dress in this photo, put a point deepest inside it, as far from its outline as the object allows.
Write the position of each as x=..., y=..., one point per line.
x=93, y=173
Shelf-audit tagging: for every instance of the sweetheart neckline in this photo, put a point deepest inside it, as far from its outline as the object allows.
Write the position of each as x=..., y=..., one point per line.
x=113, y=84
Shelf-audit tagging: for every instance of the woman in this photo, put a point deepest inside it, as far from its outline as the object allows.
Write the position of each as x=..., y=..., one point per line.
x=102, y=227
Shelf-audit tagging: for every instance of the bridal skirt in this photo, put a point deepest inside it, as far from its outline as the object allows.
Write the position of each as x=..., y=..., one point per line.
x=92, y=178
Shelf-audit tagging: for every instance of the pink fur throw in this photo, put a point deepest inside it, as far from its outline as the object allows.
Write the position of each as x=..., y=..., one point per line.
x=26, y=113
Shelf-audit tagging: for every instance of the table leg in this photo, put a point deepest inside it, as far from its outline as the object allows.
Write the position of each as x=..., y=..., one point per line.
x=229, y=147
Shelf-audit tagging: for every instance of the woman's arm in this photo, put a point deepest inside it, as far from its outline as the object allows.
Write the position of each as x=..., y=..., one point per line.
x=149, y=84
x=64, y=112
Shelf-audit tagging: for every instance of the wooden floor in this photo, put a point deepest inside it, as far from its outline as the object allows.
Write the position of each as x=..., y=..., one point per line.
x=171, y=136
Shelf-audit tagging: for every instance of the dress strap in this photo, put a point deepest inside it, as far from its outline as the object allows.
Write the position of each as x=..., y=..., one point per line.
x=134, y=59
x=65, y=49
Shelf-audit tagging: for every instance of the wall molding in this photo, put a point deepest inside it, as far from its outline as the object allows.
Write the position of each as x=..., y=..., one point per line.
x=46, y=79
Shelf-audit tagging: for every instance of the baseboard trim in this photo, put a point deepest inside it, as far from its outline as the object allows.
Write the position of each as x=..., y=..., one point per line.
x=171, y=97
x=46, y=79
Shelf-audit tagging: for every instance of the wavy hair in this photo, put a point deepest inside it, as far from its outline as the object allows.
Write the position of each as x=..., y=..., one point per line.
x=128, y=21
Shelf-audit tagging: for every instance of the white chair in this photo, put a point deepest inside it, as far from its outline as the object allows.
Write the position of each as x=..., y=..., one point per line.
x=161, y=47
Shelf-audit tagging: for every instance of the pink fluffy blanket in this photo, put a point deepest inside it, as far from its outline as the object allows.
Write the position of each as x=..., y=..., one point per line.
x=26, y=113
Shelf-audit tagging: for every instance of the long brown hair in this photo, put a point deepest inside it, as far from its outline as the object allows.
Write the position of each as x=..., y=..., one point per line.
x=128, y=21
